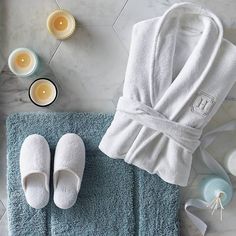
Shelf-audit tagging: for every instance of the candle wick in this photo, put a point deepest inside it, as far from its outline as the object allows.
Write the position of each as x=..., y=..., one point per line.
x=60, y=22
x=44, y=92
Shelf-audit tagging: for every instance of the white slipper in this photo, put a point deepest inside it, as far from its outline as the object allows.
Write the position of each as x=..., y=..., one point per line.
x=69, y=165
x=35, y=170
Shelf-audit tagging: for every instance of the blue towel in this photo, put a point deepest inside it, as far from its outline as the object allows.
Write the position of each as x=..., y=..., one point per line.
x=115, y=198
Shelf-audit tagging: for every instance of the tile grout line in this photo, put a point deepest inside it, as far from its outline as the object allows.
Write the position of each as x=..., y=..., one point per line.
x=120, y=12
x=50, y=60
x=3, y=215
x=54, y=53
x=4, y=210
x=114, y=30
x=121, y=42
x=58, y=4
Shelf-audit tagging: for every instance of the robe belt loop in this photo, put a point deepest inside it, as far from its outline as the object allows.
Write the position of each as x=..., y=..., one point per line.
x=185, y=136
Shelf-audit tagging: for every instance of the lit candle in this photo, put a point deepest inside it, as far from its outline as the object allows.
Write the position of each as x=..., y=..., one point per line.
x=230, y=162
x=61, y=24
x=23, y=62
x=43, y=92
x=216, y=190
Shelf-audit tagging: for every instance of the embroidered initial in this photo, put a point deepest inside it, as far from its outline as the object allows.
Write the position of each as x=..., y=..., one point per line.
x=203, y=104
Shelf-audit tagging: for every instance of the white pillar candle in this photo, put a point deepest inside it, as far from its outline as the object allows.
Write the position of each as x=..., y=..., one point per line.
x=23, y=62
x=61, y=24
x=43, y=92
x=230, y=162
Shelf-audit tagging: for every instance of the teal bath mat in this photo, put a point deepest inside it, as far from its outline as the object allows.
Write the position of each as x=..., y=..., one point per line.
x=115, y=198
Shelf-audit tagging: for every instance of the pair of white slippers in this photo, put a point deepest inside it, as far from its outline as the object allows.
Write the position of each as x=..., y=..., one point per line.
x=69, y=162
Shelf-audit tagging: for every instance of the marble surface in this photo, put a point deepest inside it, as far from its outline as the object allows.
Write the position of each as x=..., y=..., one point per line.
x=89, y=69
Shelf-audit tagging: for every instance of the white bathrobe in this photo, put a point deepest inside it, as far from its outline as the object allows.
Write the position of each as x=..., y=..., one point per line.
x=179, y=72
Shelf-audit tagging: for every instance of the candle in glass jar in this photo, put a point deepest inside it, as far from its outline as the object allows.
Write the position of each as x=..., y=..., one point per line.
x=43, y=92
x=214, y=187
x=23, y=62
x=230, y=162
x=61, y=24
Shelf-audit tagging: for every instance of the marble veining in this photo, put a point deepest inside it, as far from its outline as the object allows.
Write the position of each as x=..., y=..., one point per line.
x=89, y=69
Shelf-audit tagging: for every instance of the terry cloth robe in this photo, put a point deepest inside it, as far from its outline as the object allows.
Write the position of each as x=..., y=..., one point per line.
x=179, y=72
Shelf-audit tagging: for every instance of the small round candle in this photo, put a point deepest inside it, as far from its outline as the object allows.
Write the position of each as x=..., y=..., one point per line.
x=230, y=162
x=61, y=24
x=213, y=187
x=23, y=62
x=43, y=92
